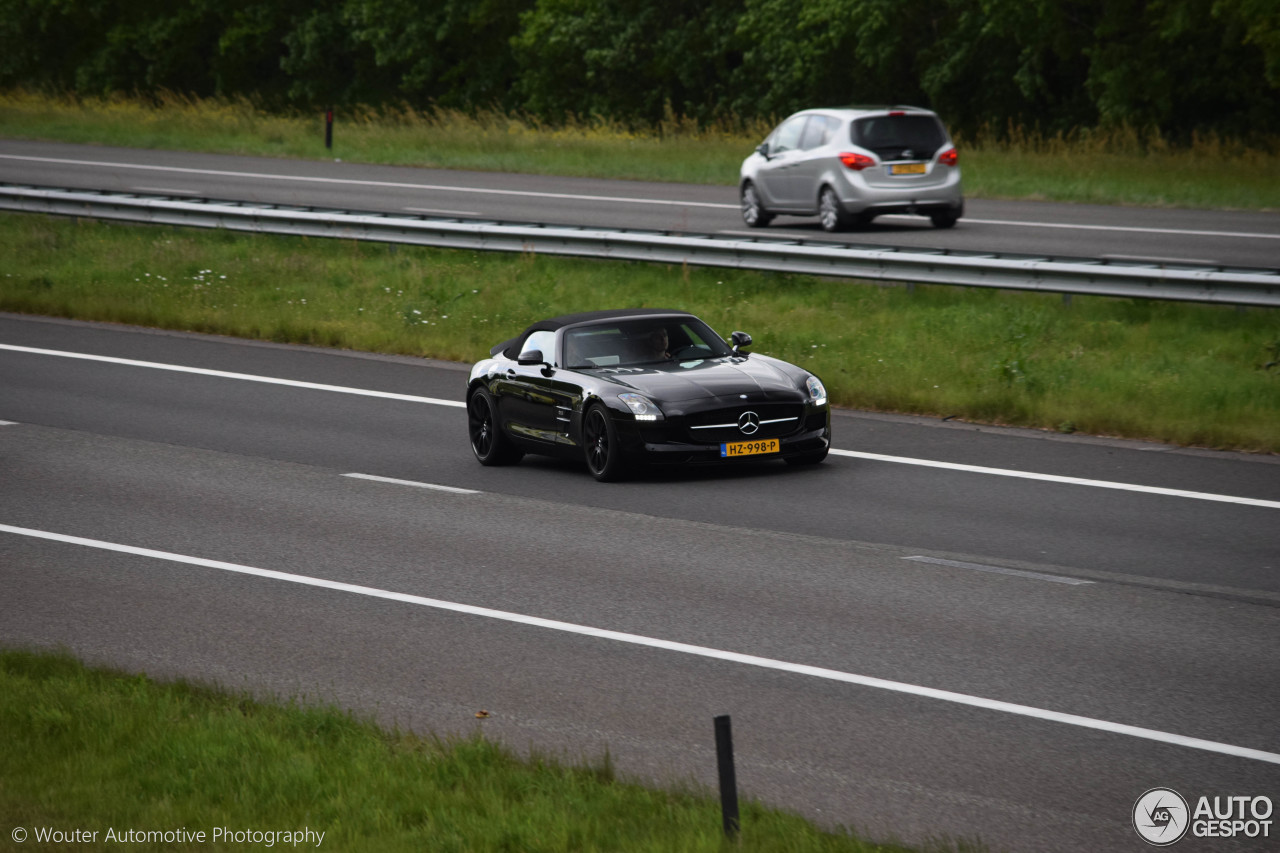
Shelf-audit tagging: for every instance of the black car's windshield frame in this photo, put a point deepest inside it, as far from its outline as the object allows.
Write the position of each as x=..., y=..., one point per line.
x=635, y=342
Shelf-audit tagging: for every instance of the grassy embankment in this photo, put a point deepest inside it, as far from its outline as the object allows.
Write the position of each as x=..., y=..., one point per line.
x=97, y=750
x=1184, y=373
x=1106, y=167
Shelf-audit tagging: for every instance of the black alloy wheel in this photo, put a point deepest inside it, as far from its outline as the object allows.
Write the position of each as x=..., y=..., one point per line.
x=600, y=445
x=488, y=443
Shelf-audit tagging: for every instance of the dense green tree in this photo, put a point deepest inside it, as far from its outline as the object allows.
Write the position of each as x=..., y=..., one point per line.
x=201, y=47
x=1012, y=62
x=804, y=53
x=1180, y=66
x=324, y=62
x=627, y=59
x=43, y=44
x=251, y=46
x=1260, y=20
x=456, y=53
x=152, y=45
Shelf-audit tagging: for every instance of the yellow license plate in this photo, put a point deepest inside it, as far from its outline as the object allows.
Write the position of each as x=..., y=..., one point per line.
x=749, y=448
x=907, y=169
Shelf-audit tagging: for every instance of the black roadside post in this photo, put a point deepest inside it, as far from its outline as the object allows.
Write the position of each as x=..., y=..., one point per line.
x=328, y=129
x=728, y=779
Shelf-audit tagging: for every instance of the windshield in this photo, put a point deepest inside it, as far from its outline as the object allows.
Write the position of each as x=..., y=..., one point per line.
x=648, y=341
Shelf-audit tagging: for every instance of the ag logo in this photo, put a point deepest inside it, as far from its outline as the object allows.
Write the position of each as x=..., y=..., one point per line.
x=1161, y=817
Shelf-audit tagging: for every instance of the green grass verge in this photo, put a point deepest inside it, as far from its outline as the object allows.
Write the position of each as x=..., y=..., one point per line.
x=1105, y=167
x=1177, y=372
x=105, y=751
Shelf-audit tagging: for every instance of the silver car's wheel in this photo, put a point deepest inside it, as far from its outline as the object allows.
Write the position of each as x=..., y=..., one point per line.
x=831, y=212
x=752, y=212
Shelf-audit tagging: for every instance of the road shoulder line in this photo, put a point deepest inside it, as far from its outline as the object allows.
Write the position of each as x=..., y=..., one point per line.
x=1041, y=714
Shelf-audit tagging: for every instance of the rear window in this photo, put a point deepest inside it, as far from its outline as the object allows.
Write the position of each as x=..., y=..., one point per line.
x=904, y=137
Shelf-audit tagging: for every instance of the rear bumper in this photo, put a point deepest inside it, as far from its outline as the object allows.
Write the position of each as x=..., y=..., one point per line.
x=926, y=208
x=859, y=197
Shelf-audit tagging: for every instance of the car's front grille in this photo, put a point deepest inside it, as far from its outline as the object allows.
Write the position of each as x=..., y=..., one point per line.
x=744, y=423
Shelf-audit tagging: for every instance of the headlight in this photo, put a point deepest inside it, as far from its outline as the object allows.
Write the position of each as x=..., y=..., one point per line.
x=817, y=393
x=642, y=407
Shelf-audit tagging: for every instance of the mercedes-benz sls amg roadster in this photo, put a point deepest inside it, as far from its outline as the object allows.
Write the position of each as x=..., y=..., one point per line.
x=621, y=388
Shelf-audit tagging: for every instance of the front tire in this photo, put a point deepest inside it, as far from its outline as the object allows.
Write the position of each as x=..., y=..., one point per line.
x=490, y=445
x=943, y=220
x=753, y=213
x=600, y=445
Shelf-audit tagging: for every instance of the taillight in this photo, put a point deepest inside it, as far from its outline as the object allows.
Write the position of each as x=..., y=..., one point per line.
x=949, y=157
x=856, y=162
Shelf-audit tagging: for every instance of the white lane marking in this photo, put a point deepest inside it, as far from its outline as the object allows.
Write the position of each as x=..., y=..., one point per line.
x=353, y=182
x=672, y=646
x=1128, y=228
x=1054, y=478
x=414, y=483
x=729, y=232
x=441, y=211
x=1000, y=570
x=166, y=190
x=1147, y=259
x=315, y=386
x=435, y=401
x=8, y=423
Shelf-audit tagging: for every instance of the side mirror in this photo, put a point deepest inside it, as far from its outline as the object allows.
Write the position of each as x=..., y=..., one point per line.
x=740, y=340
x=763, y=150
x=534, y=356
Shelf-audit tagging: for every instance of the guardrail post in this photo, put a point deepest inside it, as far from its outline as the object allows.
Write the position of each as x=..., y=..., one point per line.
x=328, y=129
x=728, y=779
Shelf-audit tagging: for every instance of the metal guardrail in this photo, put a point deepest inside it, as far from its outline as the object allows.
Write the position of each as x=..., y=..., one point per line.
x=1184, y=282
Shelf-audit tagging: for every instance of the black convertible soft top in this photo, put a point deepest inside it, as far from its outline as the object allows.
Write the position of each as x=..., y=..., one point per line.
x=553, y=323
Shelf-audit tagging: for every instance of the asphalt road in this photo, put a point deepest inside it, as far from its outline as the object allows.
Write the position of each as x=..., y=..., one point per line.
x=1229, y=238
x=982, y=692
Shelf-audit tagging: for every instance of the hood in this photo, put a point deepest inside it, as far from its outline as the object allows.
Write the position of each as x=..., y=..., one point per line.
x=758, y=377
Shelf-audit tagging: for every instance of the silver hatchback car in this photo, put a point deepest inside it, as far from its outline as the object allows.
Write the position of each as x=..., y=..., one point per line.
x=848, y=166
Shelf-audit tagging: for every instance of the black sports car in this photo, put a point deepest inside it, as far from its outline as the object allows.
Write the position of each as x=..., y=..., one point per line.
x=613, y=387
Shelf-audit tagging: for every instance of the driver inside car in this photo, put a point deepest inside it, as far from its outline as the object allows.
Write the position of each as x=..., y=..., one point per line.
x=657, y=345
